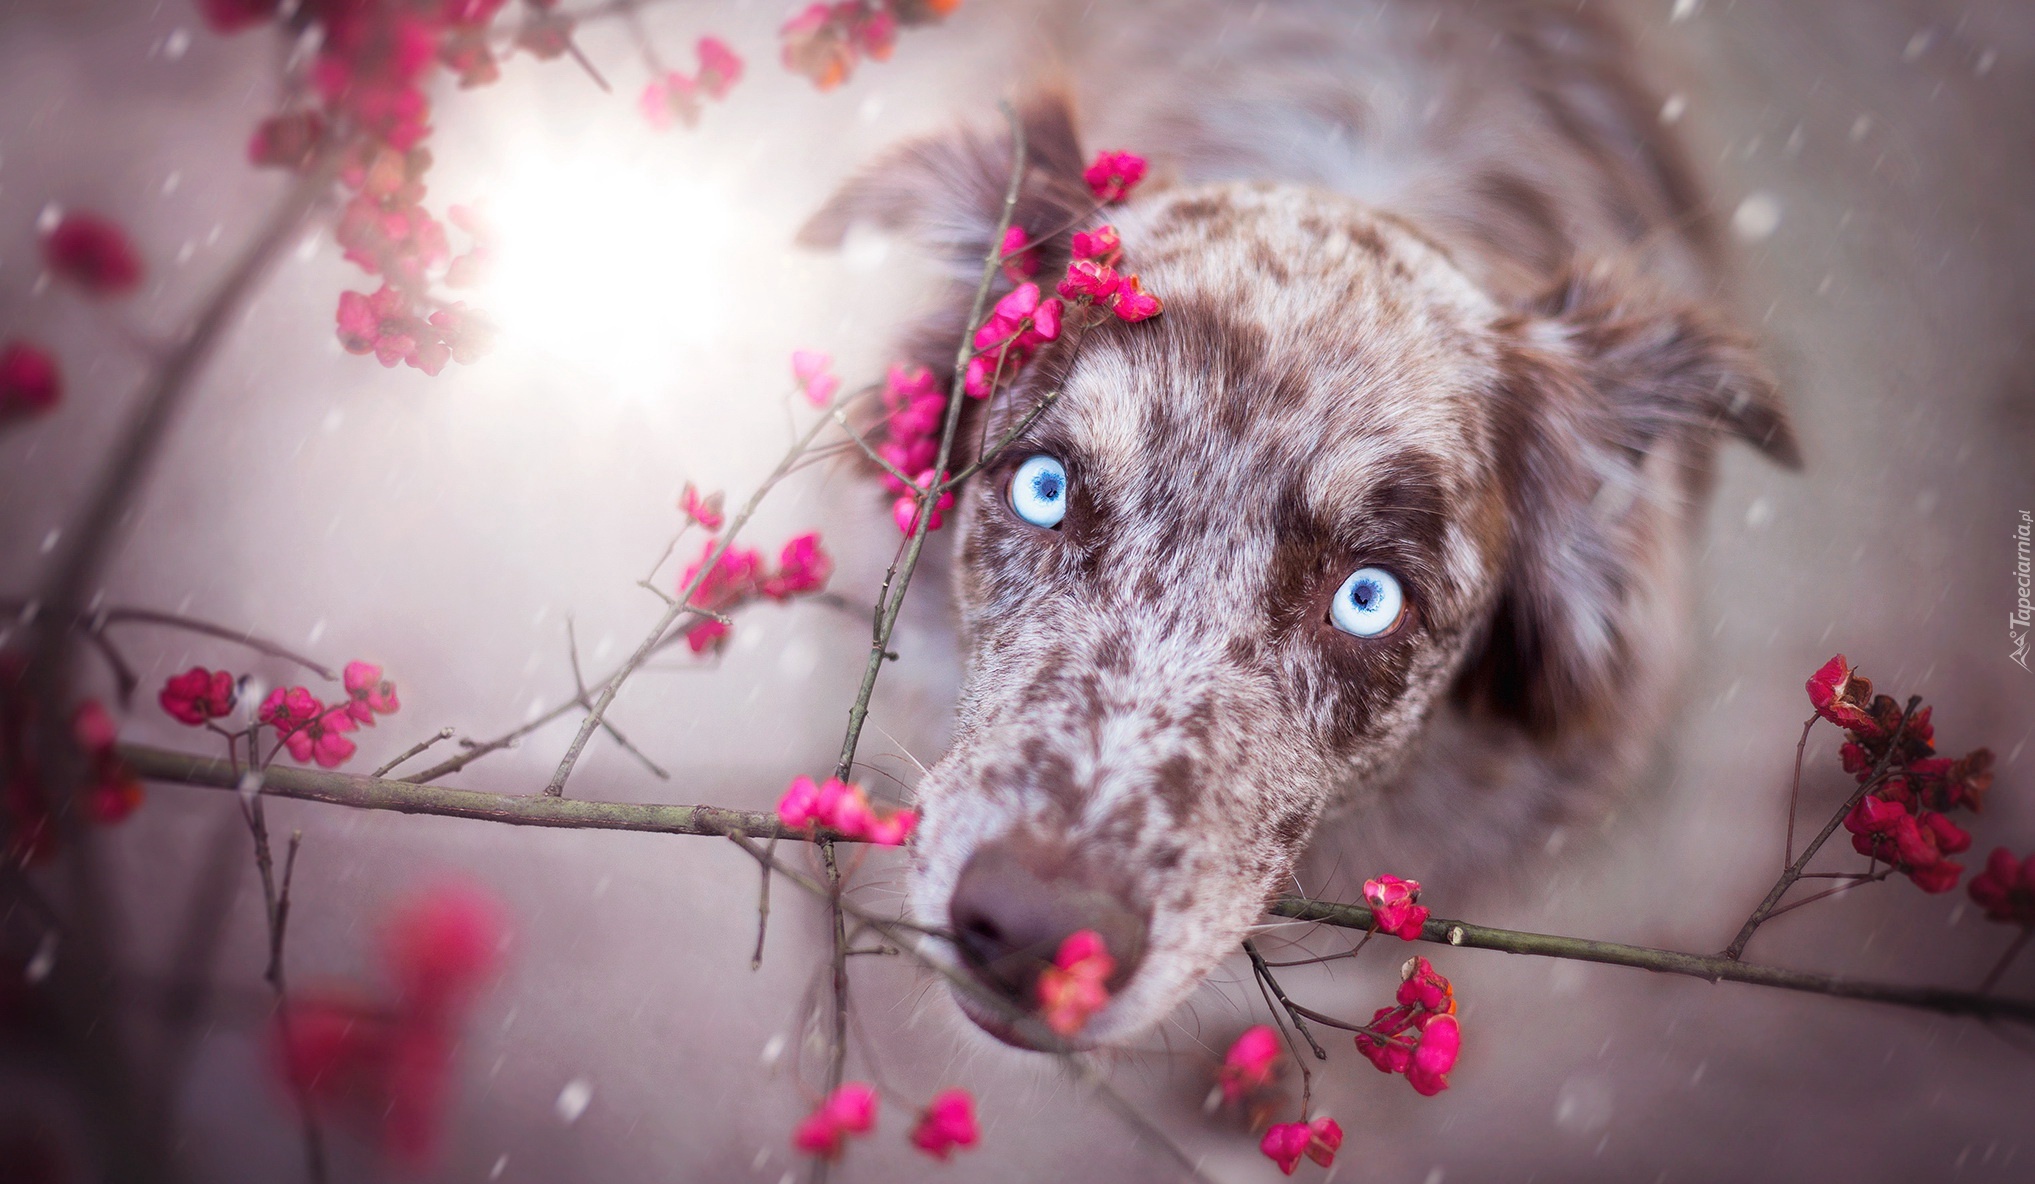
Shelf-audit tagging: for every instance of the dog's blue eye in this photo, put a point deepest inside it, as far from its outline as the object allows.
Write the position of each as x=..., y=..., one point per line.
x=1039, y=491
x=1368, y=604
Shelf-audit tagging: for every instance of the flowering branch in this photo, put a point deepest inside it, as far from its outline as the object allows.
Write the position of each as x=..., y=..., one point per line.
x=897, y=580
x=1793, y=872
x=1704, y=966
x=403, y=797
x=680, y=607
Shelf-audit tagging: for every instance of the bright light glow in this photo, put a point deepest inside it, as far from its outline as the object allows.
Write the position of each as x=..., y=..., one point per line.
x=614, y=268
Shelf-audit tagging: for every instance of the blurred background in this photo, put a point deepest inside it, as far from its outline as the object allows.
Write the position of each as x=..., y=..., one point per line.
x=1874, y=160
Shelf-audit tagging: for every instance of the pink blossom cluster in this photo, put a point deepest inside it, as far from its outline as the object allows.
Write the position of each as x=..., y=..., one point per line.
x=1286, y=1142
x=914, y=410
x=93, y=254
x=1074, y=988
x=1395, y=906
x=844, y=808
x=2005, y=890
x=1249, y=1064
x=1021, y=322
x=1904, y=821
x=382, y=1062
x=739, y=576
x=30, y=384
x=824, y=42
x=814, y=373
x=1093, y=280
x=109, y=794
x=1112, y=175
x=306, y=725
x=1024, y=319
x=674, y=97
x=1419, y=1035
x=368, y=78
x=946, y=1124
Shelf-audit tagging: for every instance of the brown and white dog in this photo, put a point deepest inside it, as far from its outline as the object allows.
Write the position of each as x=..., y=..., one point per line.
x=1385, y=519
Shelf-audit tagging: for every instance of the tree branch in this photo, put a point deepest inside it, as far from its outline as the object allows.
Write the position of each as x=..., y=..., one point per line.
x=403, y=797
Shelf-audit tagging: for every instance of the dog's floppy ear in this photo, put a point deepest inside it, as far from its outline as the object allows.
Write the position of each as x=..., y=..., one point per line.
x=945, y=193
x=1613, y=401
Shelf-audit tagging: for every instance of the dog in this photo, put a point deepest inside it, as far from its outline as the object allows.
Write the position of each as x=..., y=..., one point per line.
x=1386, y=520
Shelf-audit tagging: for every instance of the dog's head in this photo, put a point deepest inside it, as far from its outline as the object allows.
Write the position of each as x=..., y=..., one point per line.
x=1224, y=579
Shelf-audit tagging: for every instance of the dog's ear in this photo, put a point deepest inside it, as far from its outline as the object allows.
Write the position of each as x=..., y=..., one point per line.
x=1613, y=402
x=945, y=193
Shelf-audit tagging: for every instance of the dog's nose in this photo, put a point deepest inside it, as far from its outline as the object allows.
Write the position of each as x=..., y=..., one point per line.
x=1016, y=901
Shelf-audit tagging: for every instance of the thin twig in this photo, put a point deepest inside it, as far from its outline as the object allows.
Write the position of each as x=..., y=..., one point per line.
x=897, y=580
x=1793, y=871
x=413, y=750
x=1265, y=972
x=1795, y=790
x=2006, y=959
x=93, y=624
x=556, y=786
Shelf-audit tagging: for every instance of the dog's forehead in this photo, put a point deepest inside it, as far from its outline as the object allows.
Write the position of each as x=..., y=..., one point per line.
x=1303, y=334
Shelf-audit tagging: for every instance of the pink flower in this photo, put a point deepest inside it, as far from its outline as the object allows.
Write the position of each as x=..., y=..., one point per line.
x=322, y=740
x=812, y=369
x=905, y=510
x=289, y=708
x=733, y=579
x=465, y=334
x=1131, y=303
x=1394, y=906
x=197, y=695
x=1019, y=263
x=1284, y=1143
x=2006, y=888
x=1088, y=279
x=803, y=566
x=893, y=829
x=1072, y=988
x=1843, y=698
x=380, y=324
x=1441, y=1038
x=667, y=99
x=946, y=1123
x=1101, y=245
x=112, y=791
x=1249, y=1064
x=704, y=510
x=874, y=33
x=798, y=808
x=1113, y=175
x=93, y=253
x=1397, y=1038
x=720, y=67
x=29, y=382
x=843, y=808
x=368, y=693
x=1020, y=322
x=286, y=141
x=849, y=1110
x=819, y=42
x=442, y=947
x=385, y=1066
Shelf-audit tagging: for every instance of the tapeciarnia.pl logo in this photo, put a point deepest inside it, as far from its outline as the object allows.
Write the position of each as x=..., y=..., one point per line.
x=2018, y=620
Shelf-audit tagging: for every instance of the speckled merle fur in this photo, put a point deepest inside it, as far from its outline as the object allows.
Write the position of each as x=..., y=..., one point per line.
x=1440, y=298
